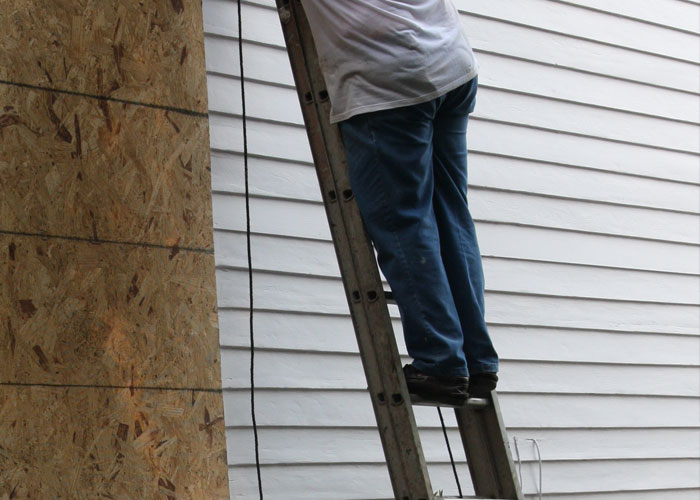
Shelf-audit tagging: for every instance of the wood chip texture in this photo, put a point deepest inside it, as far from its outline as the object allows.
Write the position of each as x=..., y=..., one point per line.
x=110, y=378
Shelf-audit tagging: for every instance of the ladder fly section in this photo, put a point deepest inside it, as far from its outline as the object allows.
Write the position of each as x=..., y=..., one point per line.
x=482, y=431
x=370, y=315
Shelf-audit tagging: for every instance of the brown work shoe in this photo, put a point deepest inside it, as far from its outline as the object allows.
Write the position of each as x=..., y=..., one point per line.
x=424, y=388
x=481, y=384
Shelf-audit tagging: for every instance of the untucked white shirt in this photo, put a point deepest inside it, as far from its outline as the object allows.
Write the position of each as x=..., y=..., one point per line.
x=382, y=54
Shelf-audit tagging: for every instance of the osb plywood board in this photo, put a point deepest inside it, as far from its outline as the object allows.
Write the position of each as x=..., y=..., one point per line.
x=149, y=51
x=85, y=443
x=90, y=168
x=75, y=312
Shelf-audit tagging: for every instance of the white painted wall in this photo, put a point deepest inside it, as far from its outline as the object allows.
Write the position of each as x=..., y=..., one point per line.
x=585, y=184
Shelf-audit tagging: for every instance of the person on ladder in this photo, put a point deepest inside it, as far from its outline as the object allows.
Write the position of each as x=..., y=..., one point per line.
x=402, y=80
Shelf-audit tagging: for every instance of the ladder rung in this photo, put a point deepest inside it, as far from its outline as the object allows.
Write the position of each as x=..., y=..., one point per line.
x=472, y=403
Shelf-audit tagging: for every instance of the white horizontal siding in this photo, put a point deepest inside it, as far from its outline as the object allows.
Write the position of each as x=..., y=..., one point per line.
x=361, y=445
x=336, y=445
x=309, y=333
x=356, y=481
x=584, y=181
x=488, y=205
x=588, y=56
x=504, y=275
x=505, y=74
x=281, y=178
x=351, y=481
x=674, y=14
x=572, y=21
x=675, y=493
x=323, y=370
x=313, y=257
x=504, y=105
x=352, y=408
x=492, y=27
x=324, y=296
x=496, y=241
x=515, y=139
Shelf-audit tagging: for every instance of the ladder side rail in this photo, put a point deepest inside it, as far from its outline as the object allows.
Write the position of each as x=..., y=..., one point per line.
x=476, y=449
x=361, y=279
x=405, y=459
x=488, y=452
x=500, y=447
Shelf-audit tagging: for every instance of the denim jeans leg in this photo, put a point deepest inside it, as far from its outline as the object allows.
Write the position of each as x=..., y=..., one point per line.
x=460, y=249
x=390, y=163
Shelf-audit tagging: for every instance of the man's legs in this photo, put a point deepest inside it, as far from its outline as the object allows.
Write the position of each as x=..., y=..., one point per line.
x=460, y=250
x=390, y=163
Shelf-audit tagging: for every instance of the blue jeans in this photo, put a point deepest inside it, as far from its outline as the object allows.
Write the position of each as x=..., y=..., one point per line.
x=408, y=170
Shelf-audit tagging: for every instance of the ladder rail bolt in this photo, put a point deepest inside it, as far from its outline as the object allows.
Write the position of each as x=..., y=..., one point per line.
x=285, y=14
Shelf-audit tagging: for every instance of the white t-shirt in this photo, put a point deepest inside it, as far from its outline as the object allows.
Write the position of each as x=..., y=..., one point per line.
x=382, y=54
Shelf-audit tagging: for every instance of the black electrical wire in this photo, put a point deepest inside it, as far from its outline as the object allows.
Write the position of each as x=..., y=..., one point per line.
x=250, y=255
x=449, y=450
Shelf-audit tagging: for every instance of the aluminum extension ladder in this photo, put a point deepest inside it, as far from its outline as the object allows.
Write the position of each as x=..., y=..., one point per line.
x=480, y=423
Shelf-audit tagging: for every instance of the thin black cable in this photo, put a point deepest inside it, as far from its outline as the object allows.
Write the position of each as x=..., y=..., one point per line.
x=249, y=251
x=449, y=450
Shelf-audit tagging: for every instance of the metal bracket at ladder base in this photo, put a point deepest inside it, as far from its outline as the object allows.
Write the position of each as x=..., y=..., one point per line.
x=358, y=267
